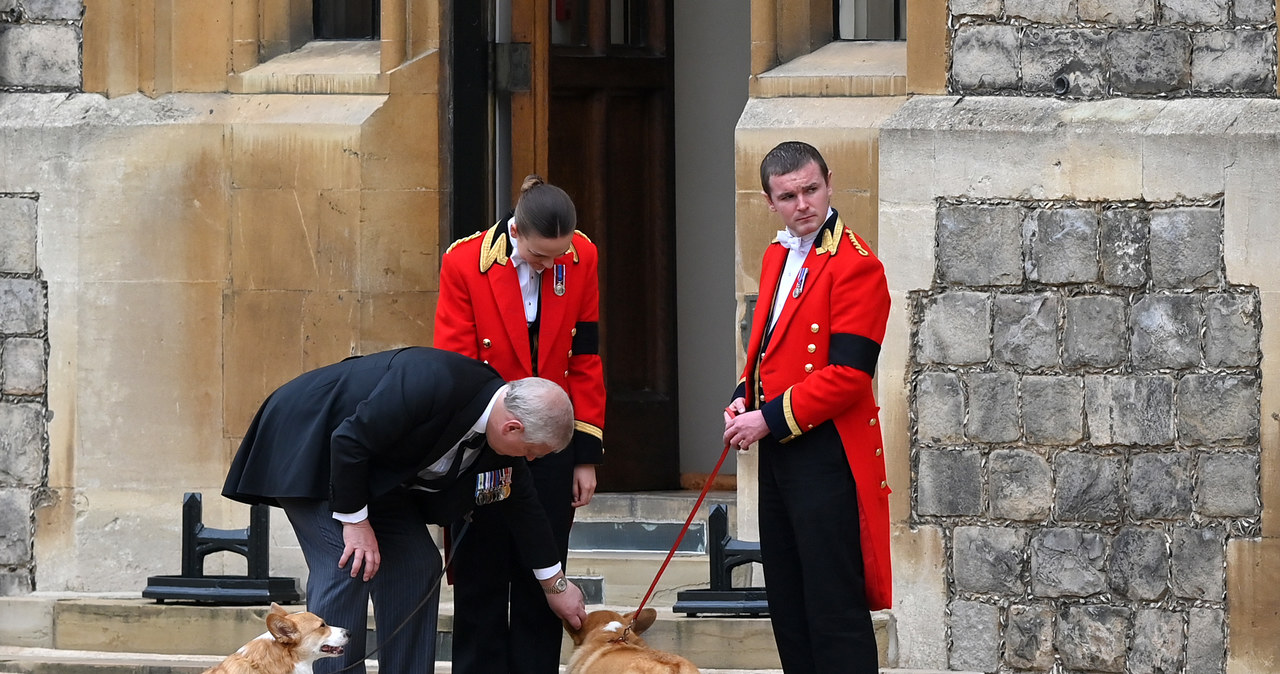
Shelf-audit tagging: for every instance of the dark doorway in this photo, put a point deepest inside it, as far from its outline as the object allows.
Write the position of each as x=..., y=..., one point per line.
x=346, y=19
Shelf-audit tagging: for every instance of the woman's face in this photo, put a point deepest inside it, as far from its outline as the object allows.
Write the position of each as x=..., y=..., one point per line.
x=541, y=252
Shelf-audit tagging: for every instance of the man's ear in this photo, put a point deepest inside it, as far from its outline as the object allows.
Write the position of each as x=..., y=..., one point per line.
x=768, y=200
x=512, y=426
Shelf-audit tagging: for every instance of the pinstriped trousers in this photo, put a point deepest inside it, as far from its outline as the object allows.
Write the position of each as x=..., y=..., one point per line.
x=410, y=564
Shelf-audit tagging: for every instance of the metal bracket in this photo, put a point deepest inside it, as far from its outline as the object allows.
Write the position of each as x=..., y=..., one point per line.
x=512, y=66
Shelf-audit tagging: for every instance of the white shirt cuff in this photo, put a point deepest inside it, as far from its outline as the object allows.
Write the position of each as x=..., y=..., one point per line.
x=549, y=572
x=351, y=518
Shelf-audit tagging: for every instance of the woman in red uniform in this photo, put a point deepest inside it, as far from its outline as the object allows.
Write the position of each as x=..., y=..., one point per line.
x=523, y=297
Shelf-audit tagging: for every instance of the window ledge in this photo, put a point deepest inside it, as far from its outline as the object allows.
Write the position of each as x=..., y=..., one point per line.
x=838, y=69
x=318, y=67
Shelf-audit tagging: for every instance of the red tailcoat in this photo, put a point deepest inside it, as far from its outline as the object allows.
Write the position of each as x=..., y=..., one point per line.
x=818, y=366
x=480, y=314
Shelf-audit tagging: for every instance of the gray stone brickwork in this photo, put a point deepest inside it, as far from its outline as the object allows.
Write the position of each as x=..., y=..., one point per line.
x=40, y=45
x=1086, y=428
x=24, y=408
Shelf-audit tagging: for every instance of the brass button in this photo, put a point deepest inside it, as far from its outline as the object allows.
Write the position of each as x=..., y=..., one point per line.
x=813, y=328
x=486, y=362
x=571, y=353
x=812, y=348
x=566, y=374
x=761, y=397
x=810, y=426
x=487, y=343
x=883, y=484
x=808, y=367
x=872, y=422
x=879, y=451
x=573, y=332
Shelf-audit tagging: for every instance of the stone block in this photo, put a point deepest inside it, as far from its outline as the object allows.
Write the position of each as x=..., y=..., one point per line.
x=993, y=407
x=1123, y=240
x=1148, y=62
x=1074, y=53
x=1129, y=410
x=56, y=10
x=1021, y=485
x=1198, y=561
x=939, y=408
x=1042, y=11
x=991, y=8
x=1165, y=331
x=1025, y=331
x=1093, y=637
x=989, y=560
x=1095, y=331
x=1186, y=247
x=1117, y=12
x=984, y=58
x=39, y=55
x=955, y=328
x=949, y=483
x=1067, y=563
x=1194, y=12
x=1227, y=485
x=16, y=583
x=1028, y=637
x=22, y=366
x=1088, y=487
x=1062, y=245
x=22, y=306
x=1255, y=11
x=17, y=235
x=22, y=444
x=975, y=636
x=1216, y=408
x=1139, y=565
x=15, y=527
x=1206, y=640
x=1158, y=642
x=1234, y=61
x=1160, y=486
x=1232, y=329
x=980, y=245
x=1053, y=409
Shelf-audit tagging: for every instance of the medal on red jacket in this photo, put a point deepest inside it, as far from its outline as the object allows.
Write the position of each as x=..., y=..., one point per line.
x=804, y=271
x=559, y=279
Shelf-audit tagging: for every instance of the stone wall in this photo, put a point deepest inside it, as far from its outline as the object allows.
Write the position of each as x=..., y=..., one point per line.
x=24, y=408
x=1103, y=48
x=40, y=45
x=1085, y=431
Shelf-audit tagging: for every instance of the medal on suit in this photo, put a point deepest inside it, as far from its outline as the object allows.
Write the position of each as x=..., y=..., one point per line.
x=804, y=271
x=493, y=486
x=559, y=272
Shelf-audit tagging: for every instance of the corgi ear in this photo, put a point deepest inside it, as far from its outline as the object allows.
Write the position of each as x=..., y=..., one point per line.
x=282, y=628
x=277, y=609
x=644, y=621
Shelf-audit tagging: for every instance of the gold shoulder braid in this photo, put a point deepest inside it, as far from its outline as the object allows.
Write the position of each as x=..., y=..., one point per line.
x=462, y=240
x=493, y=248
x=854, y=240
x=831, y=239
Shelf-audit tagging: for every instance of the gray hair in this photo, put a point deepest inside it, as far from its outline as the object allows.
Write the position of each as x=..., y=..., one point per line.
x=543, y=408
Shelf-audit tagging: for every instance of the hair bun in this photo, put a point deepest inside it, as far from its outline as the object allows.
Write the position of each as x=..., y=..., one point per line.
x=531, y=181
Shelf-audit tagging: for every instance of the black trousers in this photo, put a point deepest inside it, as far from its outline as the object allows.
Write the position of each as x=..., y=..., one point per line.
x=489, y=576
x=813, y=557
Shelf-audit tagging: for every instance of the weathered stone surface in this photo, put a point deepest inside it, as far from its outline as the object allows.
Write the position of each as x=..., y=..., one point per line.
x=66, y=10
x=1062, y=245
x=1215, y=408
x=1198, y=555
x=939, y=407
x=1074, y=53
x=1123, y=246
x=1166, y=331
x=950, y=482
x=1093, y=637
x=1234, y=61
x=1255, y=11
x=1095, y=331
x=1186, y=247
x=22, y=366
x=993, y=407
x=954, y=329
x=1067, y=563
x=1160, y=486
x=39, y=55
x=1228, y=485
x=1042, y=11
x=15, y=526
x=1124, y=410
x=1053, y=409
x=1139, y=565
x=1118, y=12
x=22, y=433
x=16, y=583
x=1157, y=642
x=1088, y=487
x=1206, y=640
x=980, y=245
x=1026, y=330
x=1194, y=12
x=1148, y=62
x=975, y=636
x=1021, y=485
x=989, y=560
x=1233, y=330
x=985, y=58
x=17, y=235
x=977, y=7
x=21, y=306
x=1028, y=639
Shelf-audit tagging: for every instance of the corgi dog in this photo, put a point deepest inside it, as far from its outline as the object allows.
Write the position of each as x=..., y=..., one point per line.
x=293, y=641
x=604, y=646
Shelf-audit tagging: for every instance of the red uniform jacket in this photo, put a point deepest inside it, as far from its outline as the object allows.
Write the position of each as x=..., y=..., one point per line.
x=818, y=366
x=480, y=314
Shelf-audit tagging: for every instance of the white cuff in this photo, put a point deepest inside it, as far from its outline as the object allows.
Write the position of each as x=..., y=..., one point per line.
x=549, y=572
x=351, y=518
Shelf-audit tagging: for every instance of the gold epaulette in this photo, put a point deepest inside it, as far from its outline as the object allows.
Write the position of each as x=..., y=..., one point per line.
x=462, y=240
x=493, y=248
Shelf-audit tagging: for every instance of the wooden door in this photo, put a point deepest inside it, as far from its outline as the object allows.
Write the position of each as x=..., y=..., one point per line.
x=609, y=143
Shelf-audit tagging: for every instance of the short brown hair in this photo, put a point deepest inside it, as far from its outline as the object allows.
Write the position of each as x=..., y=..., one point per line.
x=786, y=157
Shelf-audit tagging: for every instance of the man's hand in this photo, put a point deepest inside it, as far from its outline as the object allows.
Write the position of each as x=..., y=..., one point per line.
x=584, y=484
x=568, y=604
x=742, y=428
x=360, y=545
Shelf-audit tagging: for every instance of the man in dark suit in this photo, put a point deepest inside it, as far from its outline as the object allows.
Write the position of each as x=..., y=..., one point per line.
x=363, y=453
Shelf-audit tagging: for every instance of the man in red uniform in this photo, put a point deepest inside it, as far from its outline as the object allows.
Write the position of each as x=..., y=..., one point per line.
x=806, y=397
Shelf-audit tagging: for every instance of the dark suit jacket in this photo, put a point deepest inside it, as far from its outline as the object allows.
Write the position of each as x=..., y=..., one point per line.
x=357, y=429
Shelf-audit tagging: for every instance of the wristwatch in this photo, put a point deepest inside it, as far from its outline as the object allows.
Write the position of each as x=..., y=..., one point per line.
x=557, y=587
